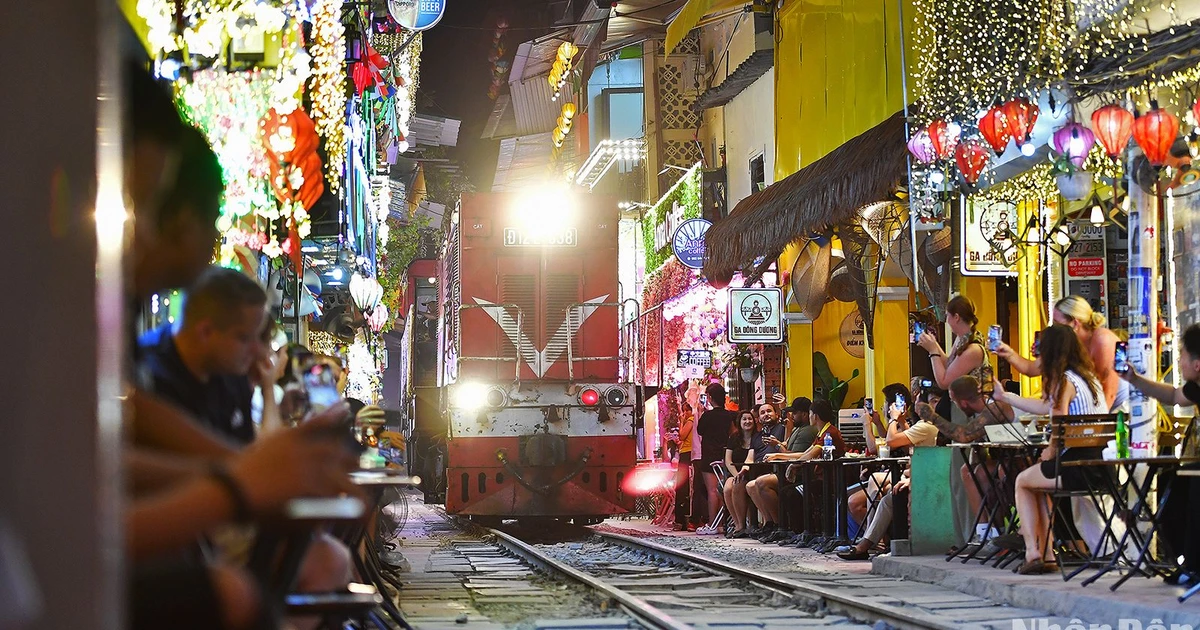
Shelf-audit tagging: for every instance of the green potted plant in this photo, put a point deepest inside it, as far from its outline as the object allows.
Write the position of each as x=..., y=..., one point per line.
x=825, y=382
x=743, y=359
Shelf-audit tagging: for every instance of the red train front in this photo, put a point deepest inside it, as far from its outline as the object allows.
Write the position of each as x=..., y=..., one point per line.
x=538, y=422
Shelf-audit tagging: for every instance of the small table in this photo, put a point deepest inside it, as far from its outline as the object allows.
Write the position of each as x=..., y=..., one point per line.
x=1000, y=495
x=1143, y=508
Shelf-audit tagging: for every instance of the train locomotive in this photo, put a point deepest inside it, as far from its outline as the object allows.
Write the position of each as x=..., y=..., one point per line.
x=529, y=412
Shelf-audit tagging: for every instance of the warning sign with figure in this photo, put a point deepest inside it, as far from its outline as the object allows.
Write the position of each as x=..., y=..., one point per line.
x=755, y=315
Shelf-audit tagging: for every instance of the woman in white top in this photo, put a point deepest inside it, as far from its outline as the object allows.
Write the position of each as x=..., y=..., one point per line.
x=1100, y=343
x=1069, y=387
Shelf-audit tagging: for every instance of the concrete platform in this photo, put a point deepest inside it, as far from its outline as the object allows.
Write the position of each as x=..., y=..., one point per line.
x=1139, y=599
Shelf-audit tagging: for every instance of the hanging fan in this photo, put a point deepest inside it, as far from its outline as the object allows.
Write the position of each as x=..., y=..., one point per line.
x=884, y=222
x=841, y=284
x=865, y=263
x=933, y=256
x=810, y=276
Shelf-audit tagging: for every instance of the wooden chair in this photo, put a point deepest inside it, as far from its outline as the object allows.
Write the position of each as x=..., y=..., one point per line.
x=1078, y=432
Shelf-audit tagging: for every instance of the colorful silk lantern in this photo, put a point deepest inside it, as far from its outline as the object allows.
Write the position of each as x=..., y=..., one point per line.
x=944, y=137
x=921, y=147
x=1074, y=141
x=994, y=128
x=1113, y=125
x=1020, y=115
x=1155, y=133
x=972, y=157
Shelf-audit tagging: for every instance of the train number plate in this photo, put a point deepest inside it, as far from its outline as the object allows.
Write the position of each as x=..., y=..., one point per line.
x=516, y=237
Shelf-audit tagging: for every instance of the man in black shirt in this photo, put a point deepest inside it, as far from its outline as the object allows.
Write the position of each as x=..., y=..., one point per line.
x=203, y=366
x=713, y=428
x=1181, y=523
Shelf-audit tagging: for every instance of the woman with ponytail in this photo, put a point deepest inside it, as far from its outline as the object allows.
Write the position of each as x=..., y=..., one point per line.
x=1100, y=343
x=967, y=355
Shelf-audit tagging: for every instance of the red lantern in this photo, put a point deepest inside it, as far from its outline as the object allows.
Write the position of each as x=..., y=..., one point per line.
x=1155, y=133
x=944, y=137
x=972, y=157
x=1020, y=115
x=1113, y=125
x=994, y=128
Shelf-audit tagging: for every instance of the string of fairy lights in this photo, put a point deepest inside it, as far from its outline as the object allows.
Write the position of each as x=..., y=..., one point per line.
x=327, y=85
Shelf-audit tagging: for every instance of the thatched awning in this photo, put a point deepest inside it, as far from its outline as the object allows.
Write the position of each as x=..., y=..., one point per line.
x=829, y=191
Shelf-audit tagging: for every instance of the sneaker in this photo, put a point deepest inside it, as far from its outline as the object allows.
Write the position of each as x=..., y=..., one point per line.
x=691, y=527
x=706, y=530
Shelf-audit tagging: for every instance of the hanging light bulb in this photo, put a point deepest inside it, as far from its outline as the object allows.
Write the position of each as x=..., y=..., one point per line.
x=1097, y=217
x=1028, y=149
x=1061, y=237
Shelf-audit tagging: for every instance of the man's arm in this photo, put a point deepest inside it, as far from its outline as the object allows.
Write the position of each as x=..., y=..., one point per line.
x=150, y=471
x=958, y=433
x=172, y=521
x=161, y=426
x=1163, y=392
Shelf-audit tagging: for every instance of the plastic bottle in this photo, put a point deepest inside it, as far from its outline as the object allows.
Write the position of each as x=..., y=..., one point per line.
x=827, y=448
x=1122, y=434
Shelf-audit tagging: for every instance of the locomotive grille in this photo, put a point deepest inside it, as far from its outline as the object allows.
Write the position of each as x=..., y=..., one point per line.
x=522, y=291
x=562, y=290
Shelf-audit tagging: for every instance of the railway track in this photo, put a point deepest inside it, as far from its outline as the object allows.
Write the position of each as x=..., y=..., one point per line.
x=670, y=589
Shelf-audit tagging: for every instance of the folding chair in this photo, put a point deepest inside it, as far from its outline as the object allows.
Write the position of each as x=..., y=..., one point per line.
x=1080, y=431
x=723, y=516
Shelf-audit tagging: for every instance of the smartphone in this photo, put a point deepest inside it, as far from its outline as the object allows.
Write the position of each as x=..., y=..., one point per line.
x=1036, y=350
x=1121, y=357
x=918, y=330
x=900, y=401
x=926, y=383
x=703, y=401
x=321, y=385
x=869, y=404
x=993, y=338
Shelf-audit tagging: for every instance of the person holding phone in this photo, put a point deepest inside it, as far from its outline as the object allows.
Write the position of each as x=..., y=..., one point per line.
x=1100, y=342
x=1181, y=522
x=1069, y=387
x=967, y=355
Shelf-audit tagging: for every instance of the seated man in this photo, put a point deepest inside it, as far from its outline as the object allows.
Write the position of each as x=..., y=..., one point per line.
x=902, y=433
x=766, y=492
x=203, y=367
x=982, y=411
x=771, y=436
x=878, y=524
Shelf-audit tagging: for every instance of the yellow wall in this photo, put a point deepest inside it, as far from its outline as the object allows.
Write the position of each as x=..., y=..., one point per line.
x=837, y=74
x=826, y=339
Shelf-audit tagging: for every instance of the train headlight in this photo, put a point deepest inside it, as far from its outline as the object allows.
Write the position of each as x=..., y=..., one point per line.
x=545, y=210
x=589, y=397
x=469, y=396
x=496, y=397
x=615, y=397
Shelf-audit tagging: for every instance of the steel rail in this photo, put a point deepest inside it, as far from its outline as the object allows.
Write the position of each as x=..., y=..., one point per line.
x=822, y=598
x=638, y=608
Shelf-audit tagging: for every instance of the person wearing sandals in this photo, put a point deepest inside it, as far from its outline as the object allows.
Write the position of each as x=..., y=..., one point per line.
x=1069, y=387
x=739, y=453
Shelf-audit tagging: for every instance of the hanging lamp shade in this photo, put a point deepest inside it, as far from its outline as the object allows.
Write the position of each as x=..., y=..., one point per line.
x=1155, y=133
x=366, y=292
x=994, y=128
x=921, y=147
x=972, y=157
x=1113, y=126
x=944, y=137
x=1020, y=115
x=1074, y=141
x=378, y=318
